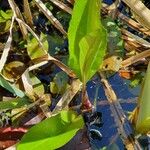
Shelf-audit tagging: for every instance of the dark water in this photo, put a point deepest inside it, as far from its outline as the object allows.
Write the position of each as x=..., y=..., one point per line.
x=123, y=92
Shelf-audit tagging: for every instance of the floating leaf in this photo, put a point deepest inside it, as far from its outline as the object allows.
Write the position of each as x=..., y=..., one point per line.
x=34, y=49
x=87, y=39
x=52, y=133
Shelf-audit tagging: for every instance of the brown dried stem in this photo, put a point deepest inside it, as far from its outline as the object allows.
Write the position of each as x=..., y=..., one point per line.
x=129, y=61
x=120, y=118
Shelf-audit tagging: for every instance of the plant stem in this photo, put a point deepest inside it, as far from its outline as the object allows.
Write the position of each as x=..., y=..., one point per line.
x=86, y=104
x=83, y=93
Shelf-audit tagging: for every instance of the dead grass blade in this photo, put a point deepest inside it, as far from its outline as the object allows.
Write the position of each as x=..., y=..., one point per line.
x=114, y=5
x=7, y=46
x=135, y=38
x=27, y=84
x=132, y=45
x=62, y=6
x=45, y=59
x=133, y=24
x=129, y=21
x=50, y=16
x=70, y=1
x=129, y=61
x=37, y=119
x=140, y=10
x=32, y=32
x=13, y=147
x=27, y=12
x=67, y=97
x=120, y=118
x=18, y=14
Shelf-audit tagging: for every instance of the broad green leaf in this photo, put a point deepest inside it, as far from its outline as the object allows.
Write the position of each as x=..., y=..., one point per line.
x=14, y=103
x=91, y=54
x=143, y=121
x=33, y=48
x=52, y=133
x=10, y=87
x=87, y=38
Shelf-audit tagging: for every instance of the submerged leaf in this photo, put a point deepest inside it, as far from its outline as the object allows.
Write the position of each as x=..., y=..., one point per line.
x=115, y=41
x=59, y=84
x=87, y=39
x=52, y=133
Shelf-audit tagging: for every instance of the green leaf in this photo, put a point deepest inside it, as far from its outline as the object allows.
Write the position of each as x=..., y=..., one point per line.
x=143, y=120
x=33, y=48
x=52, y=133
x=87, y=39
x=14, y=103
x=4, y=16
x=92, y=53
x=11, y=88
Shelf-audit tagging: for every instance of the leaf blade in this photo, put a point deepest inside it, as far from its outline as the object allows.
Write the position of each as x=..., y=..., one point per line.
x=85, y=26
x=64, y=125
